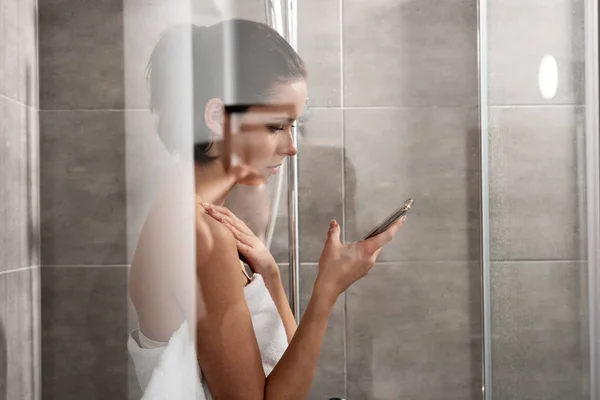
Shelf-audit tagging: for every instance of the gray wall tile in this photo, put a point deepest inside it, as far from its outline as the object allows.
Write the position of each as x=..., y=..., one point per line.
x=253, y=10
x=84, y=325
x=144, y=21
x=135, y=391
x=534, y=183
x=18, y=52
x=3, y=187
x=520, y=34
x=319, y=186
x=83, y=188
x=330, y=376
x=429, y=154
x=414, y=52
x=81, y=54
x=280, y=244
x=539, y=331
x=20, y=185
x=19, y=335
x=414, y=332
x=252, y=204
x=319, y=47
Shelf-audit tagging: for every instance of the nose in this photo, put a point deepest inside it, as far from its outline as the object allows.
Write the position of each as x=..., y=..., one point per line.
x=288, y=147
x=291, y=151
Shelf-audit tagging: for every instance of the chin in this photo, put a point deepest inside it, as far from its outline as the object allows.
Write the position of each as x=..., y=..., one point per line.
x=254, y=180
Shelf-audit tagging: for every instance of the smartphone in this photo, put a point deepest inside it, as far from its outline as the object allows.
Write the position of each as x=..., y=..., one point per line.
x=389, y=221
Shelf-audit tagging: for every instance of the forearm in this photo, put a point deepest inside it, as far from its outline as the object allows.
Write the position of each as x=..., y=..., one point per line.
x=293, y=375
x=275, y=288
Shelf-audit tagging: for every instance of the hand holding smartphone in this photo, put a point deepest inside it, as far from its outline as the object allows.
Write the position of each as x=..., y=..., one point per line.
x=389, y=221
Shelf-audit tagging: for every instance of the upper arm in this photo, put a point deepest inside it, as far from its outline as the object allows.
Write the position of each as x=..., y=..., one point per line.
x=227, y=349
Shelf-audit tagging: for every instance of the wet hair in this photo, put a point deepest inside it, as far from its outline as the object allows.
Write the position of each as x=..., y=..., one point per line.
x=237, y=61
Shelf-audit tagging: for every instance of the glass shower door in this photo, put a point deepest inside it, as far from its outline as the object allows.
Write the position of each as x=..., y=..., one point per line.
x=536, y=133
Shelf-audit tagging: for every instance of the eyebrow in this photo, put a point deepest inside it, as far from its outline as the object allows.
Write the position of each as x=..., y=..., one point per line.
x=288, y=120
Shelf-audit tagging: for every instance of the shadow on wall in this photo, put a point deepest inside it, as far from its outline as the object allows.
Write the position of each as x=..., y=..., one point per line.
x=475, y=296
x=3, y=363
x=31, y=149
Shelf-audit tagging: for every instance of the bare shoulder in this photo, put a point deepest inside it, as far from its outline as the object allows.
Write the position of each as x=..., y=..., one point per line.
x=214, y=242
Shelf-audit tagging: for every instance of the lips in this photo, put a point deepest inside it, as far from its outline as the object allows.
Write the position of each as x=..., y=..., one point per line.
x=273, y=169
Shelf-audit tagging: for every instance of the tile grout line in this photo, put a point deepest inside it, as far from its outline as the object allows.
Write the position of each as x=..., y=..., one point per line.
x=437, y=106
x=19, y=269
x=86, y=266
x=38, y=143
x=441, y=262
x=343, y=166
x=95, y=110
x=36, y=344
x=341, y=107
x=536, y=105
x=15, y=101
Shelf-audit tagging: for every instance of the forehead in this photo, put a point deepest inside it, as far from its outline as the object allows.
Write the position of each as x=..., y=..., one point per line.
x=292, y=95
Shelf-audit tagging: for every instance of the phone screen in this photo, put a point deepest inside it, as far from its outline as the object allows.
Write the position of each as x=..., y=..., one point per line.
x=389, y=221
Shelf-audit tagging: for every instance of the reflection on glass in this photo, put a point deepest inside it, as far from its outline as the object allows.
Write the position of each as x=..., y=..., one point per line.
x=548, y=77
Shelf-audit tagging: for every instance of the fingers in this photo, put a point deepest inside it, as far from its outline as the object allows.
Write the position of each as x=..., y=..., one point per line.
x=230, y=223
x=371, y=245
x=333, y=235
x=222, y=218
x=222, y=214
x=242, y=248
x=219, y=209
x=239, y=236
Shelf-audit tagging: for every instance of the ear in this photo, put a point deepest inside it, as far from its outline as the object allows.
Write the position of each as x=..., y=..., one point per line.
x=214, y=116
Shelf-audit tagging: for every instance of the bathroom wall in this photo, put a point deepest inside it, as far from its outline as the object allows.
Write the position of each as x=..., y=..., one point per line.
x=19, y=202
x=537, y=192
x=393, y=94
x=83, y=224
x=393, y=90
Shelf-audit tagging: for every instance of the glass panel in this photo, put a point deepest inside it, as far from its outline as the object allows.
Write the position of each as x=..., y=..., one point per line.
x=537, y=199
x=151, y=160
x=393, y=84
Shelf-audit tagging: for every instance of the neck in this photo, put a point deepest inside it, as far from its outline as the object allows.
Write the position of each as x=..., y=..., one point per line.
x=212, y=183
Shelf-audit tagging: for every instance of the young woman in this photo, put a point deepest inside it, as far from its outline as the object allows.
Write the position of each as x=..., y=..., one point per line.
x=247, y=343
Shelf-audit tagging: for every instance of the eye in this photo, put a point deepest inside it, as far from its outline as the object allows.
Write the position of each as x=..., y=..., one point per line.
x=276, y=128
x=279, y=128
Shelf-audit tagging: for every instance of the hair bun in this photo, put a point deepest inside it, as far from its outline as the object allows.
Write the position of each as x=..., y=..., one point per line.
x=193, y=59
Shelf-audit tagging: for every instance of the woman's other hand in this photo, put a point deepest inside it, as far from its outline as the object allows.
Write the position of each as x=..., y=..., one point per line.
x=252, y=248
x=340, y=265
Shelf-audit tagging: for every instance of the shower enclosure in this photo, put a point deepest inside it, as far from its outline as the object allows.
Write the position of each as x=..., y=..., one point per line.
x=537, y=197
x=485, y=112
x=538, y=238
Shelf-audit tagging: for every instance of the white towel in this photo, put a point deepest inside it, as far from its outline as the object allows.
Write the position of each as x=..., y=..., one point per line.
x=266, y=321
x=172, y=372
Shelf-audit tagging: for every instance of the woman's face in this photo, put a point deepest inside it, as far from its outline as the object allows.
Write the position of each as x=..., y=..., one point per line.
x=266, y=132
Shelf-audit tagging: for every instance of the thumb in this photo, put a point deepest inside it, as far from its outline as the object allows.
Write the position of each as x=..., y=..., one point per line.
x=333, y=235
